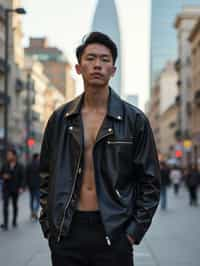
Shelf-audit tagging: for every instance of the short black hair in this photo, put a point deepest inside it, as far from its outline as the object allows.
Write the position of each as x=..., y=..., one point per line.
x=35, y=156
x=99, y=38
x=13, y=151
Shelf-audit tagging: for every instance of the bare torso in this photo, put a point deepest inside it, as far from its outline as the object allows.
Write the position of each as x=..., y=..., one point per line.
x=92, y=121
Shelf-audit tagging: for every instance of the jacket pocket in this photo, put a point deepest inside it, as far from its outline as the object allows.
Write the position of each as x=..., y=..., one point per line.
x=120, y=141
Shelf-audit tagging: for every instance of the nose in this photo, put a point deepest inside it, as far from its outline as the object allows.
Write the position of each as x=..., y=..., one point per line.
x=97, y=63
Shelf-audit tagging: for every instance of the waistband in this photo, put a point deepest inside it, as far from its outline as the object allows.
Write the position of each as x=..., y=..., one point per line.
x=88, y=217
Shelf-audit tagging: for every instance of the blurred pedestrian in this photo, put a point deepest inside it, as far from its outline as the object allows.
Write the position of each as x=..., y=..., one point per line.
x=13, y=180
x=176, y=178
x=192, y=180
x=165, y=182
x=33, y=183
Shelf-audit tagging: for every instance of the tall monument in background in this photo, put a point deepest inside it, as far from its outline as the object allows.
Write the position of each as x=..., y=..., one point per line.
x=106, y=20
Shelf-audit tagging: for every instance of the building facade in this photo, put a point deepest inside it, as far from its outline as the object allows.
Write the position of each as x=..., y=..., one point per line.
x=163, y=35
x=184, y=24
x=168, y=109
x=154, y=113
x=163, y=111
x=56, y=66
x=42, y=100
x=16, y=81
x=194, y=39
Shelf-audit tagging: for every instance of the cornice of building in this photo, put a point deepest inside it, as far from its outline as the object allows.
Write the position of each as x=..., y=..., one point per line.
x=195, y=31
x=188, y=12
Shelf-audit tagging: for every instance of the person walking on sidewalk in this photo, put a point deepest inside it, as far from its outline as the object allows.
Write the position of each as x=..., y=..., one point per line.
x=165, y=182
x=176, y=178
x=192, y=179
x=13, y=182
x=33, y=183
x=100, y=178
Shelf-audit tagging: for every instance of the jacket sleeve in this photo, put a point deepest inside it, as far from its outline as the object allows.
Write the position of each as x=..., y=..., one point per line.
x=44, y=169
x=146, y=167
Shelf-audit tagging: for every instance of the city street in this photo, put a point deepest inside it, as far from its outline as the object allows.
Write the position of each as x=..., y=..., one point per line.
x=173, y=239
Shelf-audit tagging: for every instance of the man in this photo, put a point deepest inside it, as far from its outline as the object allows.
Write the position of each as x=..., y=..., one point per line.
x=99, y=170
x=13, y=179
x=192, y=179
x=33, y=183
x=165, y=182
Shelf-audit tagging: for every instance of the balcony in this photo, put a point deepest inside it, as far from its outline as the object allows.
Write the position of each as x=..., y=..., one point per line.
x=178, y=99
x=178, y=83
x=19, y=85
x=177, y=65
x=3, y=99
x=2, y=66
x=172, y=125
x=178, y=134
x=35, y=116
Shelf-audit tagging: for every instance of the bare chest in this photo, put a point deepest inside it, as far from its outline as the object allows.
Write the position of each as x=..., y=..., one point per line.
x=92, y=123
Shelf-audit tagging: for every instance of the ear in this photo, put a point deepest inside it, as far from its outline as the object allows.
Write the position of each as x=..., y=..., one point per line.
x=78, y=69
x=113, y=71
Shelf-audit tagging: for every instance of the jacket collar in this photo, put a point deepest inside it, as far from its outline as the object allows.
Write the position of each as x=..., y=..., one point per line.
x=115, y=106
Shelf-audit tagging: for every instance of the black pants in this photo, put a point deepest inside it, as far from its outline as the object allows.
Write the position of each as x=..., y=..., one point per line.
x=6, y=199
x=193, y=195
x=34, y=200
x=176, y=189
x=86, y=245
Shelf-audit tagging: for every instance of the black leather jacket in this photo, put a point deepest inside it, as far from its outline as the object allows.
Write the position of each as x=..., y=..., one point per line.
x=127, y=172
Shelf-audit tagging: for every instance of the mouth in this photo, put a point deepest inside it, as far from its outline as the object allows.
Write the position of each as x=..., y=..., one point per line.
x=97, y=75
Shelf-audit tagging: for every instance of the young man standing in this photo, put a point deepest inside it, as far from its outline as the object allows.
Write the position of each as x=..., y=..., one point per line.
x=100, y=179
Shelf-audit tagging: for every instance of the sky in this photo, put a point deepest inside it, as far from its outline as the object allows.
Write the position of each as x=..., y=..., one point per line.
x=65, y=22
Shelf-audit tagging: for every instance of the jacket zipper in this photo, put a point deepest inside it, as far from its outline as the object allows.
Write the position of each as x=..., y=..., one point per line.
x=118, y=193
x=67, y=204
x=106, y=237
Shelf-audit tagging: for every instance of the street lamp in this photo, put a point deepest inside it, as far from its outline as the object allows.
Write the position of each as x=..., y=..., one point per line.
x=28, y=114
x=20, y=11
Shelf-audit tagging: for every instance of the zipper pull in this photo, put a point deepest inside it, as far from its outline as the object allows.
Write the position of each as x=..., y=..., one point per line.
x=108, y=241
x=58, y=239
x=118, y=194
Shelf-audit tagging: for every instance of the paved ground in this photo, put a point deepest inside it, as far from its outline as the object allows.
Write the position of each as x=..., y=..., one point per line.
x=174, y=238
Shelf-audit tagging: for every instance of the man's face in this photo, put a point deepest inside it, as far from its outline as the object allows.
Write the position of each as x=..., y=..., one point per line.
x=96, y=65
x=10, y=156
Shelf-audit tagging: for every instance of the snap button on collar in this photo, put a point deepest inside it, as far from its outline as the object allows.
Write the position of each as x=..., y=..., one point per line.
x=67, y=114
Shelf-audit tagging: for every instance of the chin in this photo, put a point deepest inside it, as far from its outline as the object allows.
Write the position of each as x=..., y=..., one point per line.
x=97, y=84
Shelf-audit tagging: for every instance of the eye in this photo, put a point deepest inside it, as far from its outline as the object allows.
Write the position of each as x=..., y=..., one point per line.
x=105, y=59
x=90, y=58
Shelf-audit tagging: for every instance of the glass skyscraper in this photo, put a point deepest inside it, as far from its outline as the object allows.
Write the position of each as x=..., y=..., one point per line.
x=163, y=33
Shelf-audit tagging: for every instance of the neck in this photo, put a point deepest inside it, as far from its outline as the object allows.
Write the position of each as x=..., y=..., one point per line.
x=96, y=97
x=12, y=162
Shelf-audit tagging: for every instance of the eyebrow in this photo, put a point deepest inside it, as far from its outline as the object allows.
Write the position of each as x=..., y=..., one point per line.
x=101, y=55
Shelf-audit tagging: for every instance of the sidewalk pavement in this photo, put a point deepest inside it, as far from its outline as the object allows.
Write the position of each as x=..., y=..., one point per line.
x=173, y=239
